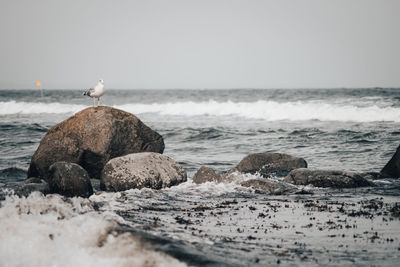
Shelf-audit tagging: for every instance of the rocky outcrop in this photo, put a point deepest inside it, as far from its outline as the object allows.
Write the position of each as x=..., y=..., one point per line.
x=140, y=170
x=91, y=138
x=69, y=179
x=206, y=174
x=268, y=164
x=268, y=186
x=392, y=168
x=326, y=178
x=31, y=185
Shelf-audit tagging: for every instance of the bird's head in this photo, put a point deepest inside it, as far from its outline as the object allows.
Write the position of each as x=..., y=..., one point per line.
x=101, y=81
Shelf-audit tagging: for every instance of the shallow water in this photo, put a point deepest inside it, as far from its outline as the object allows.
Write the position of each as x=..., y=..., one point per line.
x=217, y=224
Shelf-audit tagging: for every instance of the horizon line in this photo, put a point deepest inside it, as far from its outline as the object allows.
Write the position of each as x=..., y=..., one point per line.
x=238, y=88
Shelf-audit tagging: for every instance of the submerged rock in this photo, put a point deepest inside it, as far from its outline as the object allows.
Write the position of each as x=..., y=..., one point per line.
x=33, y=180
x=326, y=178
x=371, y=175
x=91, y=138
x=206, y=174
x=140, y=170
x=69, y=179
x=268, y=164
x=268, y=186
x=31, y=185
x=392, y=168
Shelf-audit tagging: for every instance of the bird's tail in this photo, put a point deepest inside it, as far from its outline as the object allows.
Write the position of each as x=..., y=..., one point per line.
x=87, y=92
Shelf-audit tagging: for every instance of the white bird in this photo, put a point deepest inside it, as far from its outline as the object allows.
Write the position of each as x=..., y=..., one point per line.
x=96, y=92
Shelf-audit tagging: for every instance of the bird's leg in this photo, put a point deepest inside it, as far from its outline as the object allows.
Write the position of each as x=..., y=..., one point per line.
x=99, y=101
x=94, y=102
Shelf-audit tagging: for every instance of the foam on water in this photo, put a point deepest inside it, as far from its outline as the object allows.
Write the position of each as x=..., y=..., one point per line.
x=213, y=188
x=13, y=107
x=271, y=110
x=264, y=110
x=52, y=231
x=196, y=191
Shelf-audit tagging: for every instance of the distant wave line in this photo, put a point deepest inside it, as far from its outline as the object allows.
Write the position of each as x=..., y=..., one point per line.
x=13, y=107
x=263, y=110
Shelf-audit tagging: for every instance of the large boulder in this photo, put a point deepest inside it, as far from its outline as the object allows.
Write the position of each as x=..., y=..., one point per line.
x=392, y=168
x=69, y=179
x=140, y=170
x=268, y=164
x=206, y=174
x=326, y=178
x=91, y=138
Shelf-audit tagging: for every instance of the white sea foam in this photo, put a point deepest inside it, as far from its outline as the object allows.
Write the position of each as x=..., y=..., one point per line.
x=208, y=188
x=214, y=188
x=13, y=107
x=264, y=110
x=50, y=231
x=271, y=110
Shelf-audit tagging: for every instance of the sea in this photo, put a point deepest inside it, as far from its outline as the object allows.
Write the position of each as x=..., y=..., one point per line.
x=212, y=224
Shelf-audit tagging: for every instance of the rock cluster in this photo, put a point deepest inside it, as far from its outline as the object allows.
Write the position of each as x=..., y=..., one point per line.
x=91, y=138
x=77, y=149
x=295, y=171
x=264, y=164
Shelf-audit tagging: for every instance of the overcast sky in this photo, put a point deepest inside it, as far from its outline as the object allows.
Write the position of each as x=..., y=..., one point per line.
x=200, y=44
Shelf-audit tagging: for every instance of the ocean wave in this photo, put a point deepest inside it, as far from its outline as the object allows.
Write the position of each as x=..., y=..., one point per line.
x=53, y=231
x=13, y=107
x=263, y=110
x=271, y=110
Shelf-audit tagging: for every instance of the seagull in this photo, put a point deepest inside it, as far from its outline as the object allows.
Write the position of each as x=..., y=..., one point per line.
x=96, y=92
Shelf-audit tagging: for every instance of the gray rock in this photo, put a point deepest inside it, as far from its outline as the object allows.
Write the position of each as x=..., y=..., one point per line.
x=31, y=185
x=326, y=178
x=269, y=186
x=268, y=164
x=392, y=168
x=69, y=179
x=206, y=174
x=91, y=138
x=140, y=170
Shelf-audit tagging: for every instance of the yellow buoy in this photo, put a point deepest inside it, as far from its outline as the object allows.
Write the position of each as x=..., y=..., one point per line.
x=38, y=83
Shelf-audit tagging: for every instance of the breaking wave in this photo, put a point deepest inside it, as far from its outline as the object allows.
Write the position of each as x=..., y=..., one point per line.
x=264, y=110
x=13, y=107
